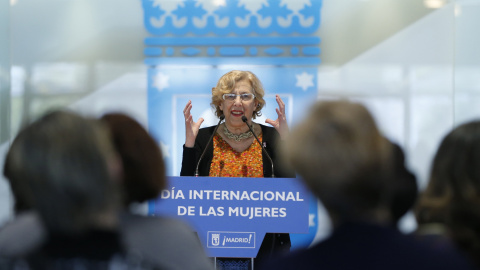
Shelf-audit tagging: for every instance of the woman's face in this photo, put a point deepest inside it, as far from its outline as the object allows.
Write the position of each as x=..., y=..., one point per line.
x=235, y=109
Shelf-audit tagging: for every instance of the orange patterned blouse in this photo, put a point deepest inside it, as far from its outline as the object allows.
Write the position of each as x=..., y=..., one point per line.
x=227, y=162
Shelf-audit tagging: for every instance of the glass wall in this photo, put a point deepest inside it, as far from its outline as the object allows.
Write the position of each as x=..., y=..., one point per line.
x=399, y=62
x=5, y=202
x=64, y=51
x=467, y=62
x=62, y=54
x=4, y=71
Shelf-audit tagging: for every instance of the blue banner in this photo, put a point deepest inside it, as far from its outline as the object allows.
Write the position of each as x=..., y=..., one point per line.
x=232, y=215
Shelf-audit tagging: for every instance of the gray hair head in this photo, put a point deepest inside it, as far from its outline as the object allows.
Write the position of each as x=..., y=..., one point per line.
x=343, y=158
x=65, y=165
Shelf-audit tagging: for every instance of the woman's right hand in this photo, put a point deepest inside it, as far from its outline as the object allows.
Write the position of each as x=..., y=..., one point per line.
x=191, y=128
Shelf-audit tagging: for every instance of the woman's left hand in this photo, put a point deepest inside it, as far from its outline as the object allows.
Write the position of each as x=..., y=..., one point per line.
x=281, y=123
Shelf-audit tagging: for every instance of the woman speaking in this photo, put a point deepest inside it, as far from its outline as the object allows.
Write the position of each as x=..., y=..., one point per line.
x=234, y=151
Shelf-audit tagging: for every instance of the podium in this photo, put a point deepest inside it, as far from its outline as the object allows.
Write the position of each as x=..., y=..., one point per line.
x=232, y=215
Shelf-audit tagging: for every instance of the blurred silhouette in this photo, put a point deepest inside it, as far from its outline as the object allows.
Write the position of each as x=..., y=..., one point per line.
x=342, y=157
x=67, y=168
x=166, y=242
x=139, y=176
x=404, y=186
x=448, y=209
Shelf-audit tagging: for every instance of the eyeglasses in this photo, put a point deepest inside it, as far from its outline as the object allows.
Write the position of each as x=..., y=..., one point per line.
x=243, y=97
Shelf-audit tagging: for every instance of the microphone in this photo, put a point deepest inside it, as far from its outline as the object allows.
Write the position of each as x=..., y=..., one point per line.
x=244, y=119
x=209, y=141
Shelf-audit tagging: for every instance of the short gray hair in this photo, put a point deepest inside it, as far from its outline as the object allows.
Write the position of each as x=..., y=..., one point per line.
x=342, y=157
x=63, y=161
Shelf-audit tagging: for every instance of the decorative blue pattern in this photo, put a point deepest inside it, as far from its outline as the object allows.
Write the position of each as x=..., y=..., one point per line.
x=274, y=10
x=189, y=10
x=152, y=51
x=206, y=41
x=294, y=51
x=310, y=11
x=229, y=60
x=190, y=51
x=211, y=51
x=159, y=22
x=311, y=51
x=273, y=51
x=232, y=51
x=232, y=10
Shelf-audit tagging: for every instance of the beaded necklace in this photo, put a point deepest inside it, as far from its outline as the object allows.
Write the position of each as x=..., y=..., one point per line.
x=238, y=137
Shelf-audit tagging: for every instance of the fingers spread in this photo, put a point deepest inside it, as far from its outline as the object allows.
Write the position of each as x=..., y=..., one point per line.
x=271, y=122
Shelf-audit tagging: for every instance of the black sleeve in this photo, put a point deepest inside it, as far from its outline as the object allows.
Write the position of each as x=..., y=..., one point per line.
x=188, y=161
x=282, y=169
x=272, y=145
x=192, y=155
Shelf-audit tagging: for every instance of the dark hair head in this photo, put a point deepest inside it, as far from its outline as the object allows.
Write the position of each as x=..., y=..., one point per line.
x=143, y=166
x=403, y=185
x=454, y=175
x=452, y=196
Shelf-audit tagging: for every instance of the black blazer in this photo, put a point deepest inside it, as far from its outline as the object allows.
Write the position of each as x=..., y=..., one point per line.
x=192, y=155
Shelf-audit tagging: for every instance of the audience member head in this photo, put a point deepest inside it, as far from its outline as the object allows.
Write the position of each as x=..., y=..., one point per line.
x=21, y=191
x=66, y=168
x=452, y=196
x=143, y=166
x=404, y=186
x=343, y=158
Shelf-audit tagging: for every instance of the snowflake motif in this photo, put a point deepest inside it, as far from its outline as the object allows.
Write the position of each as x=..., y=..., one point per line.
x=165, y=150
x=304, y=81
x=160, y=81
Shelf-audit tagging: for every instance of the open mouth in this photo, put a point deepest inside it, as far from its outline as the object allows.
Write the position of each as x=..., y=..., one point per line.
x=237, y=113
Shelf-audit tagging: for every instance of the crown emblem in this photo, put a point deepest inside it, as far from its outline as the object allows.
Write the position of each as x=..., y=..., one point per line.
x=223, y=17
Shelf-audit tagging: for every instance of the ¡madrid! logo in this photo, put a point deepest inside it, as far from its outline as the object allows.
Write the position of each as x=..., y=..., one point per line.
x=231, y=239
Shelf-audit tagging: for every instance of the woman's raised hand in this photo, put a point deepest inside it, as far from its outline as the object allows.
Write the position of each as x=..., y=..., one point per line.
x=281, y=123
x=191, y=127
